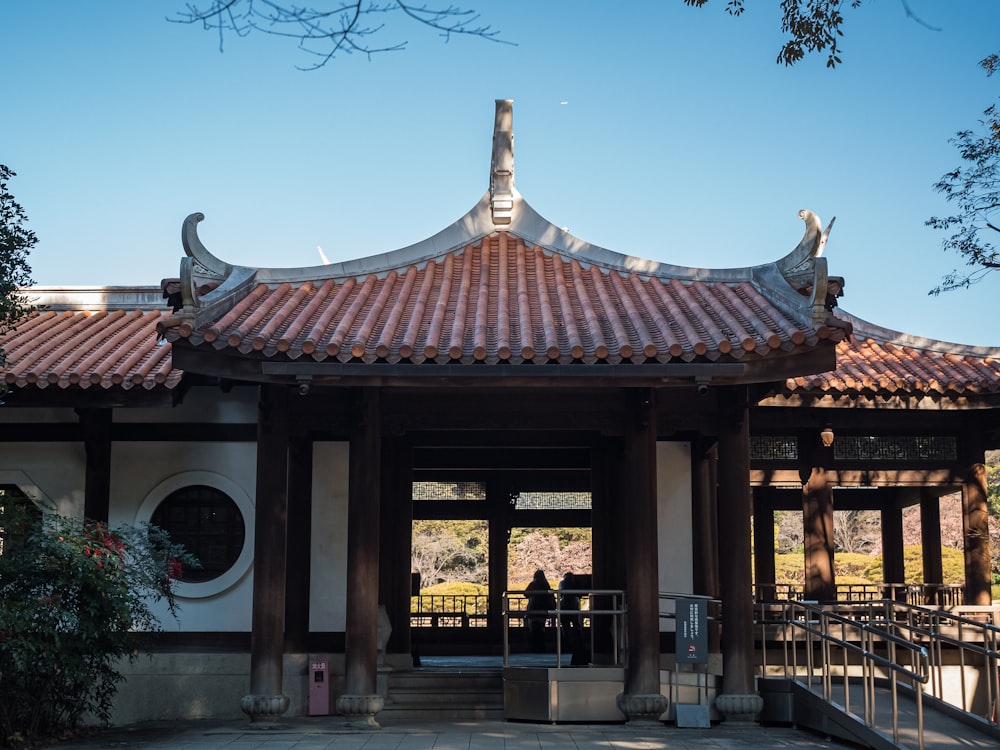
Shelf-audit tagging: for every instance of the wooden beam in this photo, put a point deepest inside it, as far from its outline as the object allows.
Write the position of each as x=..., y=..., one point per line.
x=817, y=520
x=96, y=425
x=270, y=544
x=930, y=540
x=975, y=524
x=735, y=508
x=641, y=566
x=297, y=575
x=363, y=521
x=861, y=478
x=893, y=570
x=764, y=548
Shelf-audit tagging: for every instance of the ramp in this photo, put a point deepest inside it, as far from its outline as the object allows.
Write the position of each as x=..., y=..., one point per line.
x=942, y=728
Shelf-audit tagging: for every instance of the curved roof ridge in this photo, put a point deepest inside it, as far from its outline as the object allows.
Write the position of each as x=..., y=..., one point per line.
x=864, y=329
x=527, y=224
x=798, y=282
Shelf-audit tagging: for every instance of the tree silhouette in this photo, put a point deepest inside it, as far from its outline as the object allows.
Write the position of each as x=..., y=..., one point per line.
x=16, y=241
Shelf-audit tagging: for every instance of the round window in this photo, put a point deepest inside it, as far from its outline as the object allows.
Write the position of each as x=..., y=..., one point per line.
x=208, y=523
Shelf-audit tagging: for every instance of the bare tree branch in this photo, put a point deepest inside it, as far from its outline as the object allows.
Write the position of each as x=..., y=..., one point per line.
x=326, y=32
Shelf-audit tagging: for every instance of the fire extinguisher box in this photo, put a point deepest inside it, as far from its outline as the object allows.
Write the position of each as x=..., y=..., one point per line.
x=319, y=688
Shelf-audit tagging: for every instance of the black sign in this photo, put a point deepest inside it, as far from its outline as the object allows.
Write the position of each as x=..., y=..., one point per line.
x=692, y=631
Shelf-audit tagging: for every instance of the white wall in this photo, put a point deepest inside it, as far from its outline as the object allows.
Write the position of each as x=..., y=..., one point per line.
x=673, y=520
x=144, y=473
x=55, y=471
x=328, y=577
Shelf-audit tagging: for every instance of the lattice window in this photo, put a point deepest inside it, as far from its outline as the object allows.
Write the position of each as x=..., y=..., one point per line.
x=552, y=501
x=208, y=523
x=449, y=491
x=894, y=448
x=774, y=448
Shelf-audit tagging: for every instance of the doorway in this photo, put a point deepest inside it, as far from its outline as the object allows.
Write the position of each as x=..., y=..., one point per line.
x=474, y=539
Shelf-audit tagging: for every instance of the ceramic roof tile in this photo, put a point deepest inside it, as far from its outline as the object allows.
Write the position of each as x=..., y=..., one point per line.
x=89, y=348
x=502, y=300
x=117, y=348
x=876, y=360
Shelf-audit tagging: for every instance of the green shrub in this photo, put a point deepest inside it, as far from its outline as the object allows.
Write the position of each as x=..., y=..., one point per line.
x=952, y=565
x=455, y=588
x=450, y=598
x=850, y=567
x=75, y=597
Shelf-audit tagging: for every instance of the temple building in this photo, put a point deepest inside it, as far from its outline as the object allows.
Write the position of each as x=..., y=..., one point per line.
x=305, y=410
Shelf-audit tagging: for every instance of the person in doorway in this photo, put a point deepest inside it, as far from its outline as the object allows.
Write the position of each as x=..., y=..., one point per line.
x=540, y=602
x=569, y=603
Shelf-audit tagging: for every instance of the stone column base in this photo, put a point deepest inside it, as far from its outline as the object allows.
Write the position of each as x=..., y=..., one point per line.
x=642, y=708
x=739, y=710
x=359, y=710
x=264, y=710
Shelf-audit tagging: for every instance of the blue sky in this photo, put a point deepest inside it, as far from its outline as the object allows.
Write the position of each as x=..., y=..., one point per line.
x=655, y=130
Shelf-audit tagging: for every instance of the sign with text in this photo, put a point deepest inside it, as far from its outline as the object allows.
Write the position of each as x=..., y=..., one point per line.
x=692, y=631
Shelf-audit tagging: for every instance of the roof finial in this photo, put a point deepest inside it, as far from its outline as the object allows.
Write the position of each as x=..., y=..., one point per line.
x=502, y=165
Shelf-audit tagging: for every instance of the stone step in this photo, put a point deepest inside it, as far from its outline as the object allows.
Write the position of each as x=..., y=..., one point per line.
x=443, y=695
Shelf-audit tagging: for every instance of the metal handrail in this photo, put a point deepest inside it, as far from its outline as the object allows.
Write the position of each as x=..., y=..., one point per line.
x=977, y=637
x=825, y=631
x=514, y=607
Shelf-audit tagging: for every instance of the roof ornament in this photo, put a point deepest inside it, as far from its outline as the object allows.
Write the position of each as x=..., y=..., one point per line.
x=805, y=269
x=502, y=163
x=208, y=285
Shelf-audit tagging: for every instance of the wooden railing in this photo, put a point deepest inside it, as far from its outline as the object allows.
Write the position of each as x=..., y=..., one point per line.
x=449, y=610
x=917, y=594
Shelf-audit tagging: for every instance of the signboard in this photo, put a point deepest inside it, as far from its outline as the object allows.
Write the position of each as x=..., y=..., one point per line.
x=692, y=631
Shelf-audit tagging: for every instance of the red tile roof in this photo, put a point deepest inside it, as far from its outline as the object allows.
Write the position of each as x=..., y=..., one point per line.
x=118, y=348
x=879, y=361
x=105, y=349
x=503, y=300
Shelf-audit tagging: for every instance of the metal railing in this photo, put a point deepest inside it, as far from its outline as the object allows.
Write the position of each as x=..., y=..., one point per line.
x=835, y=648
x=963, y=638
x=598, y=608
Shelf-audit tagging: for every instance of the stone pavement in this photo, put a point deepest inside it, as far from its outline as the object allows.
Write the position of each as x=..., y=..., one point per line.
x=326, y=733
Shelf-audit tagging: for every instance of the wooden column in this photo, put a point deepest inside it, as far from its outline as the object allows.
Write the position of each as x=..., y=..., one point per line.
x=608, y=538
x=930, y=540
x=642, y=700
x=97, y=447
x=300, y=543
x=975, y=523
x=739, y=702
x=396, y=541
x=893, y=571
x=705, y=518
x=360, y=701
x=498, y=536
x=265, y=703
x=817, y=525
x=763, y=542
